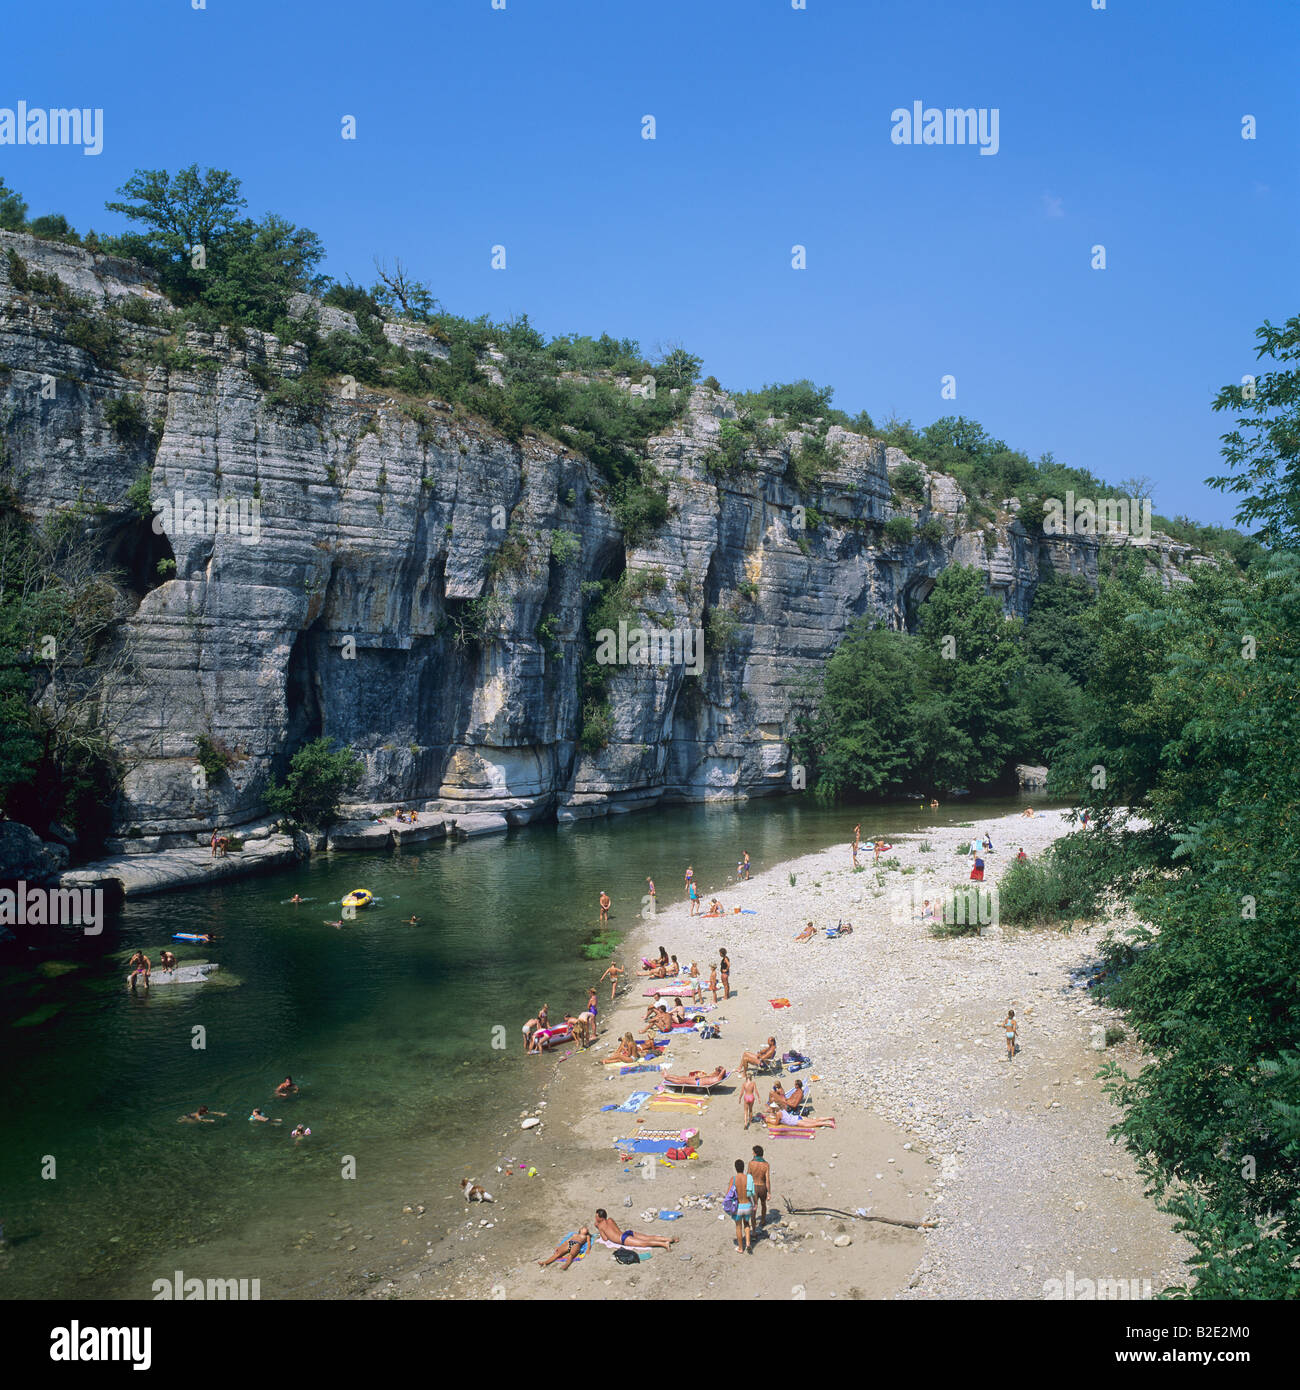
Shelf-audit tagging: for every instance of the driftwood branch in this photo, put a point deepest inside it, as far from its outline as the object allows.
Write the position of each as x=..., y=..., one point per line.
x=855, y=1216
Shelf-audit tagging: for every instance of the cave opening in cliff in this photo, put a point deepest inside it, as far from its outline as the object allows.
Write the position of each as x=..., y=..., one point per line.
x=143, y=557
x=302, y=690
x=914, y=595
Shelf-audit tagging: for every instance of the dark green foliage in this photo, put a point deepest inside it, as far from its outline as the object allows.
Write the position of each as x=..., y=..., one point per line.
x=899, y=530
x=13, y=209
x=125, y=415
x=248, y=269
x=930, y=531
x=213, y=757
x=908, y=481
x=53, y=227
x=318, y=777
x=810, y=461
x=1059, y=886
x=1262, y=450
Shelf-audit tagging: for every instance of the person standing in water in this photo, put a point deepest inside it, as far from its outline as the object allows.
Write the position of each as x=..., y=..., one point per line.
x=604, y=907
x=1010, y=1029
x=745, y=863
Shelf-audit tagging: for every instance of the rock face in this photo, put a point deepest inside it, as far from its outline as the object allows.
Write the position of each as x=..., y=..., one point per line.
x=24, y=855
x=381, y=578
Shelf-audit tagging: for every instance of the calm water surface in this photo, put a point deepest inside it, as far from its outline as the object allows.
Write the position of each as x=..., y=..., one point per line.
x=386, y=1028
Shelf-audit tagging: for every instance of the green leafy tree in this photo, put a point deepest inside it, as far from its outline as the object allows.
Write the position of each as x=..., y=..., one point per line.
x=976, y=662
x=1263, y=450
x=13, y=209
x=318, y=777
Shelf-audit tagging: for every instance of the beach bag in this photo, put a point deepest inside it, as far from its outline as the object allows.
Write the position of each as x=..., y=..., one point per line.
x=627, y=1257
x=731, y=1203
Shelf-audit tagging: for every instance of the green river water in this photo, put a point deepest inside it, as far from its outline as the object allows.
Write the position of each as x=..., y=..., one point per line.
x=386, y=1028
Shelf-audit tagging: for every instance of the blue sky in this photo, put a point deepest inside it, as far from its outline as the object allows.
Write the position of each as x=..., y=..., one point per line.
x=522, y=127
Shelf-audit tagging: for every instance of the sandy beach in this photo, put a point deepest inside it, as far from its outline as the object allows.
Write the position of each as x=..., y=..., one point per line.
x=1007, y=1162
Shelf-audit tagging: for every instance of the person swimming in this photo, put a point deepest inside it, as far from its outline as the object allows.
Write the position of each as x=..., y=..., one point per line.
x=286, y=1088
x=299, y=1132
x=202, y=1116
x=262, y=1118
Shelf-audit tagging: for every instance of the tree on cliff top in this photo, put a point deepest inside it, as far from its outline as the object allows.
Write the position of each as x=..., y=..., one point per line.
x=245, y=270
x=318, y=777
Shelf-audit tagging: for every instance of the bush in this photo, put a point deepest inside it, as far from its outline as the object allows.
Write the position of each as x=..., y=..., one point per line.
x=597, y=727
x=126, y=416
x=1056, y=887
x=139, y=494
x=318, y=777
x=930, y=531
x=640, y=509
x=899, y=530
x=908, y=480
x=212, y=756
x=564, y=546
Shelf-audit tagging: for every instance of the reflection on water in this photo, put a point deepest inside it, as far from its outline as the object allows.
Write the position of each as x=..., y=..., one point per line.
x=387, y=1029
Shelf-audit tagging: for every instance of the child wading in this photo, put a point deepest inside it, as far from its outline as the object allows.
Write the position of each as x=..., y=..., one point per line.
x=1009, y=1027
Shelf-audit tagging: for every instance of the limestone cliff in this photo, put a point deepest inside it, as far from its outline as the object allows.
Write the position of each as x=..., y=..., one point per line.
x=352, y=610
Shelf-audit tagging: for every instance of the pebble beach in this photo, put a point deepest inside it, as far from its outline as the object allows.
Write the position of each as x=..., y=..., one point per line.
x=954, y=1172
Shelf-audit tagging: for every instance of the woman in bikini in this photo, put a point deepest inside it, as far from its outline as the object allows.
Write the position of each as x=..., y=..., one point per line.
x=569, y=1250
x=724, y=968
x=626, y=1049
x=748, y=1098
x=612, y=974
x=807, y=934
x=678, y=1012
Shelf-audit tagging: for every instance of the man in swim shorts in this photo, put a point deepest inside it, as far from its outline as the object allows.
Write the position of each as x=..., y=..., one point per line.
x=604, y=906
x=761, y=1171
x=634, y=1240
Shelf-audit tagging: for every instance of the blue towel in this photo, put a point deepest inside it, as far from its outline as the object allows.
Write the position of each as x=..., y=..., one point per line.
x=631, y=1071
x=670, y=1216
x=634, y=1102
x=649, y=1146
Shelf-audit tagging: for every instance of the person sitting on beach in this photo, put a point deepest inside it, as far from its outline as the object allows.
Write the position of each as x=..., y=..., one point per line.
x=776, y=1117
x=569, y=1250
x=166, y=961
x=286, y=1087
x=715, y=909
x=794, y=1098
x=845, y=928
x=776, y=1096
x=678, y=1012
x=663, y=958
x=201, y=1116
x=1028, y=813
x=634, y=1240
x=807, y=934
x=654, y=972
x=757, y=1059
x=673, y=968
x=626, y=1051
x=660, y=1021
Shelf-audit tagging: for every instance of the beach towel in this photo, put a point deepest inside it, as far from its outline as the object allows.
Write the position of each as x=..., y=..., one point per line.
x=779, y=1003
x=634, y=1102
x=641, y=1255
x=646, y=1066
x=645, y=1146
x=672, y=1135
x=750, y=911
x=790, y=1132
x=586, y=1245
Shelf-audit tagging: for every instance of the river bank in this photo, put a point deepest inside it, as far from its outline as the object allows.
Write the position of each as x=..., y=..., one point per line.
x=1010, y=1158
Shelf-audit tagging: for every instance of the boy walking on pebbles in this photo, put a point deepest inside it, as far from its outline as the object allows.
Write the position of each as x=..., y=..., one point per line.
x=1009, y=1028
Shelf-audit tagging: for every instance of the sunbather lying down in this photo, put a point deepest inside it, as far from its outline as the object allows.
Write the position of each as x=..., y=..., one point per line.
x=634, y=1240
x=807, y=934
x=776, y=1117
x=568, y=1250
